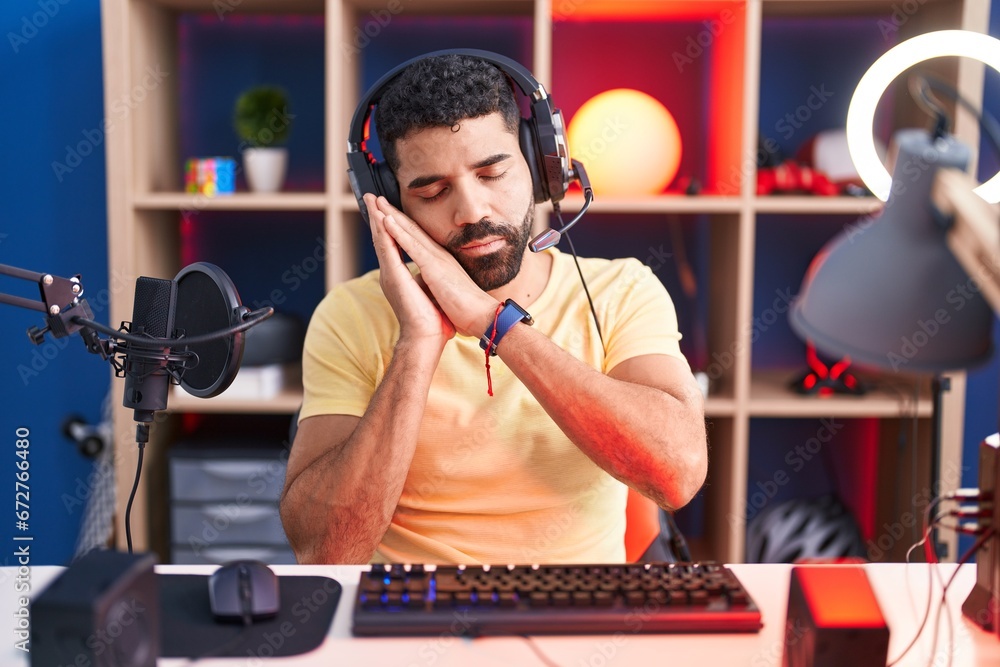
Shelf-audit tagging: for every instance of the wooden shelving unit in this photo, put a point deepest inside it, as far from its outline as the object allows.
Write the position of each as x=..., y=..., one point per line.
x=146, y=204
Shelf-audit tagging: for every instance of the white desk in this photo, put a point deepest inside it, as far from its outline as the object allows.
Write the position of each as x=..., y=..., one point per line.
x=901, y=591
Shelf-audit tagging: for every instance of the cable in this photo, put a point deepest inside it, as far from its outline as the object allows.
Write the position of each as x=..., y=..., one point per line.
x=546, y=660
x=141, y=438
x=987, y=121
x=678, y=543
x=958, y=495
x=249, y=320
x=930, y=580
x=583, y=280
x=976, y=546
x=914, y=444
x=920, y=92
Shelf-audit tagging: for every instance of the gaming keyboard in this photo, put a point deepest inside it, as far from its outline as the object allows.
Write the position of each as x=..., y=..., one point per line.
x=552, y=599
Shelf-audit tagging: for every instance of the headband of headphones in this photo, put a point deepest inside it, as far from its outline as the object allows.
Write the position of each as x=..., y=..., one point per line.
x=542, y=137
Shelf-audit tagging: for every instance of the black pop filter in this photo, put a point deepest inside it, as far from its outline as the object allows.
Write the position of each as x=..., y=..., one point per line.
x=207, y=301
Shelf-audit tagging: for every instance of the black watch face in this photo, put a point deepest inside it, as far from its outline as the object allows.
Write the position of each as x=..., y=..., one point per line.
x=525, y=317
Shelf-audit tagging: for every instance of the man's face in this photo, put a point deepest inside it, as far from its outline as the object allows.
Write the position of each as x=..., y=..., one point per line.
x=470, y=189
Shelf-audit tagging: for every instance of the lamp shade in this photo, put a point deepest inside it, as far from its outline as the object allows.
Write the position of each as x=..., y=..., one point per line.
x=887, y=291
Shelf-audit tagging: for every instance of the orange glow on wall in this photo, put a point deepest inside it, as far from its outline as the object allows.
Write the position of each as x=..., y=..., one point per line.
x=628, y=142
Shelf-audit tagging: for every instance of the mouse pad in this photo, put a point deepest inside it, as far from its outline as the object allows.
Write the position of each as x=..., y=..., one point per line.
x=188, y=629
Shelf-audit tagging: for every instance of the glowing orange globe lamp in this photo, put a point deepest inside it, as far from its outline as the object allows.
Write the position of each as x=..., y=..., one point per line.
x=628, y=142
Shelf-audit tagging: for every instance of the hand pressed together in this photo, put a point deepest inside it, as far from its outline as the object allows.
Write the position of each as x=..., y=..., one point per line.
x=443, y=285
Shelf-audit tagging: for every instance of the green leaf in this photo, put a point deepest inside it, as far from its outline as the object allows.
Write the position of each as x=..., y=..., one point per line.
x=261, y=116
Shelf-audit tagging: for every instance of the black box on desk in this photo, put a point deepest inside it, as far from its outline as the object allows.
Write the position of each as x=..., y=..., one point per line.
x=982, y=606
x=833, y=619
x=102, y=611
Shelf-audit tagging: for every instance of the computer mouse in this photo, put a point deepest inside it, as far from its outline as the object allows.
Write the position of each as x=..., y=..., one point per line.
x=245, y=590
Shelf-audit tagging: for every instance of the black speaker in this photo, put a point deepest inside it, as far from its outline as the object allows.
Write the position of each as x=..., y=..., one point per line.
x=103, y=610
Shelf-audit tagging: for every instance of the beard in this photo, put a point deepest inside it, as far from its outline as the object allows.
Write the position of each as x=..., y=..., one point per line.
x=497, y=269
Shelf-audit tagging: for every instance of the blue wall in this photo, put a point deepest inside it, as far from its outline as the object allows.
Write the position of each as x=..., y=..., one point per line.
x=50, y=73
x=50, y=70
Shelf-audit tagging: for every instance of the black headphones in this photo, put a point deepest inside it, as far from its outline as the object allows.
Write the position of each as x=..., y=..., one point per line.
x=542, y=138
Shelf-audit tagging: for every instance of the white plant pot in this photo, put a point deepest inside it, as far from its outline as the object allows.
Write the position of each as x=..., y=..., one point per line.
x=265, y=168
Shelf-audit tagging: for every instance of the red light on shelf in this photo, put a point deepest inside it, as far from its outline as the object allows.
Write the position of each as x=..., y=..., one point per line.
x=587, y=10
x=827, y=380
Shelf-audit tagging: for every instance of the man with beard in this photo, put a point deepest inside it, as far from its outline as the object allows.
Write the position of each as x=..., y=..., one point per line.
x=416, y=446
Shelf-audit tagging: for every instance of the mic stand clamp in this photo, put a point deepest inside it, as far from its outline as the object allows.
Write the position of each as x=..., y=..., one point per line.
x=61, y=302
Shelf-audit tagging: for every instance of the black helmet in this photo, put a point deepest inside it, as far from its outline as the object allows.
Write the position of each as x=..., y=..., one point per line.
x=794, y=529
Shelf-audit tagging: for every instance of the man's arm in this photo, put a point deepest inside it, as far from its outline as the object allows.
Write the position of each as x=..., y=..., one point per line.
x=643, y=422
x=345, y=475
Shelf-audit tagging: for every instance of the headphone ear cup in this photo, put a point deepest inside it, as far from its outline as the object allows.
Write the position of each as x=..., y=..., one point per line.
x=387, y=185
x=361, y=176
x=529, y=148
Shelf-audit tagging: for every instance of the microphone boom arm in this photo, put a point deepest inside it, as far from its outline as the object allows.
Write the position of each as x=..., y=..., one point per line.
x=551, y=237
x=62, y=304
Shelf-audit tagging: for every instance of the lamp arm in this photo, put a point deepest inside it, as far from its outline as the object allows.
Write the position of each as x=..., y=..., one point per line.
x=974, y=231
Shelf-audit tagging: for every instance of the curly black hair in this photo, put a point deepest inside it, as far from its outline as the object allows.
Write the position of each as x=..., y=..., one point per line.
x=440, y=91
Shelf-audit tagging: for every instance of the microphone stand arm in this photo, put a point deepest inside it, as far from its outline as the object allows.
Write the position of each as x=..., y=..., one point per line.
x=61, y=302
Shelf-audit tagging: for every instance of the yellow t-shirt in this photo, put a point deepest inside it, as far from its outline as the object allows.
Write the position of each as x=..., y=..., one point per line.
x=493, y=479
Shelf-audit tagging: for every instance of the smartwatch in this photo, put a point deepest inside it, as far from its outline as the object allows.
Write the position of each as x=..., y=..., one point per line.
x=508, y=317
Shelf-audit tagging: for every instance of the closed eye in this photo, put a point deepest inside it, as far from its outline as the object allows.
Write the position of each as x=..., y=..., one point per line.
x=437, y=195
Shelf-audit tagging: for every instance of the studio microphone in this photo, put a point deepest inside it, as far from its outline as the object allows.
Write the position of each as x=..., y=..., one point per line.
x=186, y=331
x=551, y=237
x=147, y=379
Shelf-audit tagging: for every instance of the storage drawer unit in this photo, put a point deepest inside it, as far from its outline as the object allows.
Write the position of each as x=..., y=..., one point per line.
x=224, y=503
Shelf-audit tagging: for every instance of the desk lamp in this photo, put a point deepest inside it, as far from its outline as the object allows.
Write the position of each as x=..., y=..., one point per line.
x=902, y=290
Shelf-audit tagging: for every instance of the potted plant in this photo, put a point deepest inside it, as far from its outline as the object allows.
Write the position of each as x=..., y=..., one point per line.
x=262, y=121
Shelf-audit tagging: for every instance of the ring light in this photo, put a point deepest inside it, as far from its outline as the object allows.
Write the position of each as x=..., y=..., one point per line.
x=861, y=113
